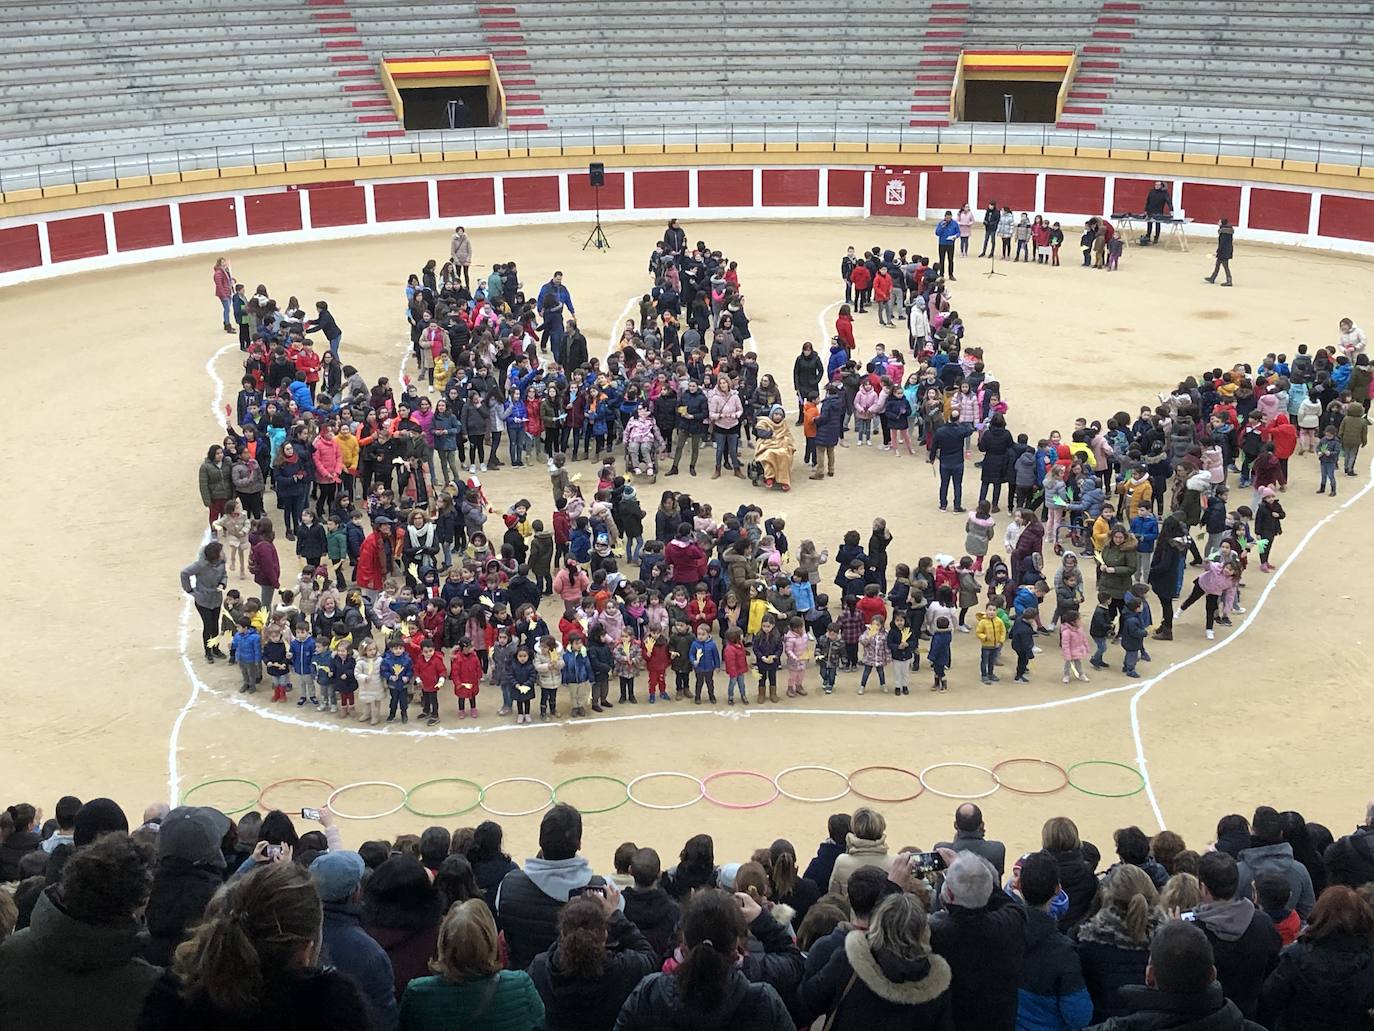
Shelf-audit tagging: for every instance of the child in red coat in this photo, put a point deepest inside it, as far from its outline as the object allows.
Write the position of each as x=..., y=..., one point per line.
x=736, y=665
x=429, y=674
x=871, y=606
x=656, y=662
x=466, y=673
x=701, y=610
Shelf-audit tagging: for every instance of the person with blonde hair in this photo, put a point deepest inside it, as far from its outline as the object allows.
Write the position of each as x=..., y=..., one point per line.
x=1114, y=943
x=468, y=988
x=254, y=961
x=865, y=845
x=1181, y=894
x=885, y=976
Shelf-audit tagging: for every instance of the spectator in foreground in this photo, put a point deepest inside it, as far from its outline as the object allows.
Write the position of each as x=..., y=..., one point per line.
x=818, y=871
x=1059, y=837
x=469, y=989
x=401, y=912
x=648, y=906
x=883, y=977
x=345, y=945
x=254, y=963
x=971, y=836
x=1053, y=996
x=1326, y=979
x=1114, y=943
x=865, y=845
x=1350, y=859
x=1245, y=944
x=1180, y=989
x=190, y=869
x=599, y=958
x=1270, y=851
x=707, y=991
x=77, y=964
x=981, y=932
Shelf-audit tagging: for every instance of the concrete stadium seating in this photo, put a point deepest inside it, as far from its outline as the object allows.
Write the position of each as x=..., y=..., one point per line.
x=115, y=88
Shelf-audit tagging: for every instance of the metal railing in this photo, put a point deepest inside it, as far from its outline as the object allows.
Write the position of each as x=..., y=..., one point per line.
x=837, y=135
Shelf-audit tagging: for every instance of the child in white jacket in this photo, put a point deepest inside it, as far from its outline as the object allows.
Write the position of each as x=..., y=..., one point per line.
x=368, y=670
x=1309, y=417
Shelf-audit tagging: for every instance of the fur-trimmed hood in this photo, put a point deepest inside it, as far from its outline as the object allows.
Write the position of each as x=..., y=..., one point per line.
x=899, y=981
x=1105, y=927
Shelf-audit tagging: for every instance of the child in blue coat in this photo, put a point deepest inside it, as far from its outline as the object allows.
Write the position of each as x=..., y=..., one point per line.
x=303, y=664
x=704, y=654
x=247, y=651
x=940, y=652
x=577, y=673
x=1132, y=637
x=397, y=673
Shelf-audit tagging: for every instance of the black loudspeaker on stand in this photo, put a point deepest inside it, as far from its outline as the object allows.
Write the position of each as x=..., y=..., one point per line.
x=596, y=175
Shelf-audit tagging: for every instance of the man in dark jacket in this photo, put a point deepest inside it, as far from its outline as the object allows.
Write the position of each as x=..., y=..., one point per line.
x=1226, y=248
x=346, y=946
x=693, y=413
x=77, y=964
x=574, y=347
x=829, y=427
x=1157, y=202
x=971, y=836
x=190, y=869
x=1180, y=991
x=867, y=886
x=1269, y=850
x=648, y=906
x=323, y=322
x=807, y=372
x=1053, y=994
x=528, y=901
x=1245, y=944
x=1350, y=859
x=947, y=444
x=981, y=933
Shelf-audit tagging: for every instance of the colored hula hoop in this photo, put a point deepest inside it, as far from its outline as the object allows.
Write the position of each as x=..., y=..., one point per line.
x=226, y=780
x=1026, y=791
x=290, y=780
x=740, y=773
x=593, y=776
x=517, y=780
x=1105, y=794
x=630, y=790
x=893, y=769
x=366, y=784
x=996, y=783
x=443, y=780
x=777, y=783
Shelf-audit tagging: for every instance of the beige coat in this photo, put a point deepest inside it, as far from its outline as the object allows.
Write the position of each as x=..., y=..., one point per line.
x=860, y=852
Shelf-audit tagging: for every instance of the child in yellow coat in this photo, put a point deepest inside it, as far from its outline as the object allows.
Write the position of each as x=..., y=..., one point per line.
x=991, y=633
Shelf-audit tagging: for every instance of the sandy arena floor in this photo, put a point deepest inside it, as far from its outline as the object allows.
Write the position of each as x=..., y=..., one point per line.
x=100, y=699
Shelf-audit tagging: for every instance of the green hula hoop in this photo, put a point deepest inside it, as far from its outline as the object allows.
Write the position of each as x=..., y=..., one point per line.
x=594, y=776
x=226, y=780
x=443, y=780
x=1106, y=794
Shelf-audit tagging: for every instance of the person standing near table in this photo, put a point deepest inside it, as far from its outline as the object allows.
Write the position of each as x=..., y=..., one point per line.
x=1158, y=205
x=947, y=233
x=1225, y=250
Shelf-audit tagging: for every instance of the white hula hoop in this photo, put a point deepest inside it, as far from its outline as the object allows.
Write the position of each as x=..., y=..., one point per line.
x=517, y=780
x=777, y=783
x=996, y=781
x=701, y=790
x=366, y=784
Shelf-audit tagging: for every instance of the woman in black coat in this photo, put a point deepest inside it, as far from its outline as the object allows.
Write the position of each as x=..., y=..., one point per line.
x=807, y=373
x=594, y=965
x=1326, y=978
x=996, y=446
x=1059, y=837
x=489, y=863
x=884, y=977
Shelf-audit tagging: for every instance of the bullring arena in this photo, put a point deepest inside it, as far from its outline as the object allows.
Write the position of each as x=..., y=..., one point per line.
x=121, y=374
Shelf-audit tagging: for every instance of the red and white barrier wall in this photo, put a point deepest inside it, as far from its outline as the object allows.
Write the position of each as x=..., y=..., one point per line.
x=35, y=247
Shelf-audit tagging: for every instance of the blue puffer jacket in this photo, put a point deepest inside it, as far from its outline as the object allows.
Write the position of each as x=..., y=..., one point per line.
x=1145, y=528
x=830, y=420
x=947, y=232
x=577, y=667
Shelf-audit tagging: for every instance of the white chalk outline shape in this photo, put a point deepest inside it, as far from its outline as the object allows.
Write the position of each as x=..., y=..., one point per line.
x=996, y=780
x=777, y=783
x=482, y=801
x=329, y=804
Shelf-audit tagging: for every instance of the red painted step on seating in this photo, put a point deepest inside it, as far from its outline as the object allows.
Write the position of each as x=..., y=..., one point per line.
x=338, y=30
x=1076, y=125
x=375, y=119
x=1082, y=110
x=1084, y=95
x=1114, y=6
x=1102, y=34
x=934, y=77
x=345, y=58
x=376, y=133
x=527, y=97
x=530, y=127
x=930, y=93
x=1099, y=64
x=500, y=25
x=948, y=19
x=482, y=11
x=324, y=3
x=514, y=38
x=1099, y=48
x=330, y=15
x=518, y=82
x=1104, y=80
x=503, y=67
x=929, y=123
x=1117, y=20
x=343, y=44
x=384, y=102
x=524, y=112
x=353, y=73
x=364, y=87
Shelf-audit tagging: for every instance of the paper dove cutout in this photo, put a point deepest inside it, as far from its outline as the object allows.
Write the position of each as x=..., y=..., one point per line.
x=575, y=477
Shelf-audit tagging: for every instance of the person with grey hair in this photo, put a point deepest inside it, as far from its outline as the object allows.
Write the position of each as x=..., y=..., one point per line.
x=981, y=933
x=885, y=976
x=865, y=845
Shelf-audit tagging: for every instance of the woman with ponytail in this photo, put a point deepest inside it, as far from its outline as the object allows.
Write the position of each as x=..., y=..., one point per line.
x=789, y=888
x=1114, y=943
x=708, y=991
x=254, y=962
x=591, y=970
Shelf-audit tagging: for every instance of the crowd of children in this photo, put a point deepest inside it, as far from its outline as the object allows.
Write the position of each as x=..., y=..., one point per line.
x=456, y=607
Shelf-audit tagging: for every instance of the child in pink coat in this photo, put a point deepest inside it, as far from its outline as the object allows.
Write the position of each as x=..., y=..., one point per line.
x=1073, y=643
x=794, y=645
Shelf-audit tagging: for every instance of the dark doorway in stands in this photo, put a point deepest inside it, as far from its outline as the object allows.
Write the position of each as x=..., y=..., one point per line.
x=985, y=100
x=446, y=107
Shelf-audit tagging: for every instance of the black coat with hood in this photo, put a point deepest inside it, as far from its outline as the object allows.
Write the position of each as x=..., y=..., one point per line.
x=866, y=990
x=591, y=1004
x=1079, y=882
x=658, y=1005
x=985, y=949
x=1319, y=986
x=1350, y=860
x=656, y=916
x=1245, y=947
x=1155, y=1010
x=180, y=893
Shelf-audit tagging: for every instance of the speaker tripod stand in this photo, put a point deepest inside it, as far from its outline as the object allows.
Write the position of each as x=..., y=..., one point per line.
x=598, y=235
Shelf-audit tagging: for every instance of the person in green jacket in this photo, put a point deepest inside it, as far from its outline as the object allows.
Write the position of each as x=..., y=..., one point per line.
x=469, y=989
